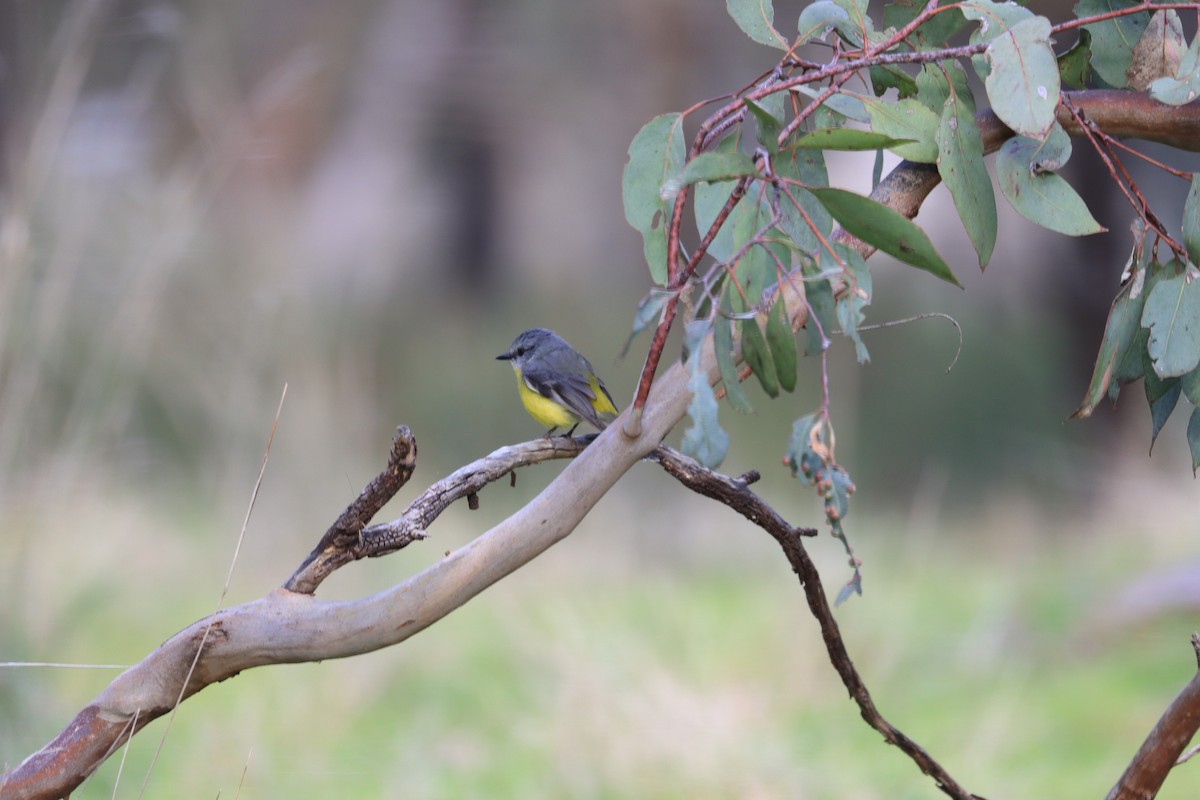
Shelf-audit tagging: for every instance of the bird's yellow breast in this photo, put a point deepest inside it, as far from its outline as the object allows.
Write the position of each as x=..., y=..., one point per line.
x=544, y=410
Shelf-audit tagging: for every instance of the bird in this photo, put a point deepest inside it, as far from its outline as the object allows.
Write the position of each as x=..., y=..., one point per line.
x=557, y=385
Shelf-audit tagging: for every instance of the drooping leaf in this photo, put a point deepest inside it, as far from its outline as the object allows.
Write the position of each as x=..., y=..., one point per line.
x=1120, y=335
x=1193, y=437
x=1113, y=39
x=756, y=18
x=1075, y=65
x=1041, y=197
x=850, y=305
x=889, y=230
x=782, y=342
x=647, y=314
x=1162, y=406
x=936, y=82
x=655, y=156
x=1191, y=218
x=755, y=353
x=768, y=126
x=819, y=326
x=960, y=163
x=1023, y=83
x=1191, y=386
x=860, y=29
x=716, y=166
x=704, y=440
x=847, y=139
x=994, y=20
x=1172, y=314
x=723, y=345
x=905, y=119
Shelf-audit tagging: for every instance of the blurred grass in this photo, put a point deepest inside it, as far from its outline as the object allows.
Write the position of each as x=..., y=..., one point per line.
x=167, y=263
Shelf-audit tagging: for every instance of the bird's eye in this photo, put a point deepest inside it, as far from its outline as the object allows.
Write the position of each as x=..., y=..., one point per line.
x=520, y=351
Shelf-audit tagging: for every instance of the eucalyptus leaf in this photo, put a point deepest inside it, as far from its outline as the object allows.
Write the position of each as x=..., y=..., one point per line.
x=1191, y=219
x=782, y=342
x=906, y=119
x=937, y=82
x=1113, y=39
x=723, y=346
x=1162, y=406
x=1041, y=197
x=704, y=440
x=756, y=18
x=1075, y=65
x=1120, y=337
x=960, y=163
x=820, y=323
x=756, y=354
x=1184, y=85
x=851, y=139
x=819, y=18
x=655, y=156
x=1193, y=437
x=889, y=230
x=768, y=126
x=716, y=166
x=1172, y=315
x=849, y=306
x=808, y=167
x=1023, y=83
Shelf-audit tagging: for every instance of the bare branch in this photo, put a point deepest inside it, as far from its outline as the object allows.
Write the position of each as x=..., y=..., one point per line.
x=1161, y=751
x=737, y=495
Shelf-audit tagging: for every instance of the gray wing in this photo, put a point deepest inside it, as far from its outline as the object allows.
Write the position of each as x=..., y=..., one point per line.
x=571, y=391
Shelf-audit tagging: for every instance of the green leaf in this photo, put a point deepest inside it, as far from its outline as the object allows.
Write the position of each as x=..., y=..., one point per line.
x=905, y=119
x=1113, y=39
x=1041, y=197
x=647, y=314
x=844, y=103
x=717, y=166
x=937, y=82
x=1172, y=315
x=1120, y=339
x=754, y=352
x=993, y=18
x=808, y=167
x=1191, y=218
x=1023, y=83
x=710, y=199
x=933, y=33
x=723, y=345
x=819, y=326
x=655, y=155
x=769, y=126
x=888, y=76
x=1162, y=406
x=1075, y=65
x=856, y=297
x=756, y=18
x=960, y=163
x=847, y=139
x=889, y=230
x=1193, y=437
x=1191, y=386
x=782, y=342
x=705, y=440
x=817, y=19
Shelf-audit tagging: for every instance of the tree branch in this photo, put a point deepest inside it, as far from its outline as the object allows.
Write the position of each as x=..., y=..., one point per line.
x=1161, y=751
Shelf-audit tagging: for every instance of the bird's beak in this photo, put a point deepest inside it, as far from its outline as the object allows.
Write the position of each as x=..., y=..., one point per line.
x=504, y=357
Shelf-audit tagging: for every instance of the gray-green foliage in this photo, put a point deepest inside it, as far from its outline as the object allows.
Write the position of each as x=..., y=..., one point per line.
x=758, y=169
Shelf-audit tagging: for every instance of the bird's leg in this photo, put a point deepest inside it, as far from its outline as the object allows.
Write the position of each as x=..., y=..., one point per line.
x=572, y=431
x=550, y=433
